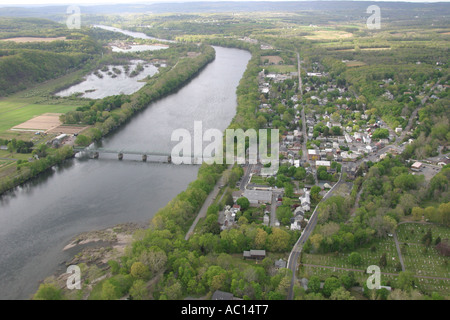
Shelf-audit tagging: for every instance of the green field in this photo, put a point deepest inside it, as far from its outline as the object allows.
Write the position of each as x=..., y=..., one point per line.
x=283, y=68
x=14, y=112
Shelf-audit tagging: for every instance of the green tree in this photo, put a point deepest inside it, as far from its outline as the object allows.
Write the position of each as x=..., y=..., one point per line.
x=138, y=290
x=278, y=240
x=83, y=140
x=355, y=259
x=139, y=270
x=243, y=202
x=341, y=294
x=405, y=281
x=331, y=284
x=48, y=291
x=314, y=284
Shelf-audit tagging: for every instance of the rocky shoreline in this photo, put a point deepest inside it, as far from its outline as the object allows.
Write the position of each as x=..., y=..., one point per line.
x=95, y=249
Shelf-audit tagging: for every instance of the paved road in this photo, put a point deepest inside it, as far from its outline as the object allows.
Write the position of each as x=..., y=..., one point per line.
x=300, y=85
x=246, y=178
x=202, y=213
x=399, y=251
x=295, y=253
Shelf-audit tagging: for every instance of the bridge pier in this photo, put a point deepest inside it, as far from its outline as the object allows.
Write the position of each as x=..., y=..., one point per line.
x=144, y=158
x=120, y=156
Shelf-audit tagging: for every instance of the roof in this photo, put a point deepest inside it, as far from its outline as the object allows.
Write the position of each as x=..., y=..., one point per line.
x=258, y=252
x=221, y=295
x=258, y=195
x=280, y=263
x=323, y=163
x=417, y=164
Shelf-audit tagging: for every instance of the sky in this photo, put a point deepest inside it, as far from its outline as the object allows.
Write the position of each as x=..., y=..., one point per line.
x=109, y=2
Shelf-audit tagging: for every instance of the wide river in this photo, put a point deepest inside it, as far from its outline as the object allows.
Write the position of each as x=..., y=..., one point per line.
x=38, y=219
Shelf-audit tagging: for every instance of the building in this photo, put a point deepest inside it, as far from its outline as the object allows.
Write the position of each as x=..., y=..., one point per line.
x=326, y=164
x=254, y=254
x=221, y=295
x=305, y=200
x=417, y=166
x=280, y=263
x=256, y=197
x=313, y=155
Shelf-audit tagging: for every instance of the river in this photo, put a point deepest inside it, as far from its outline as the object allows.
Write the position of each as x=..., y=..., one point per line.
x=39, y=218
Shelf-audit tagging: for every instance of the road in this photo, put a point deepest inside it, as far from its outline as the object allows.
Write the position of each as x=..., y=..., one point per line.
x=246, y=178
x=208, y=201
x=300, y=85
x=296, y=250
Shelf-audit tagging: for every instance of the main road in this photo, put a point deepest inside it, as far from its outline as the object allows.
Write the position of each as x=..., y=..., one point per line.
x=297, y=249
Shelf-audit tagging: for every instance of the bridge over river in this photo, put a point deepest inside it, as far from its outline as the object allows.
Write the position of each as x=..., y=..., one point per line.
x=150, y=156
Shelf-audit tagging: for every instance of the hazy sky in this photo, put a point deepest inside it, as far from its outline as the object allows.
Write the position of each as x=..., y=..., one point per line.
x=85, y=2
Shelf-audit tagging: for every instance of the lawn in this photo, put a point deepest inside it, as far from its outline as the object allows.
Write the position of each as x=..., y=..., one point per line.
x=14, y=112
x=417, y=257
x=283, y=68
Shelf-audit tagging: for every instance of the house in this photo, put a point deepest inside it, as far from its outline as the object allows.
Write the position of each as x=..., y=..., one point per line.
x=326, y=164
x=416, y=166
x=305, y=200
x=398, y=130
x=313, y=155
x=266, y=219
x=227, y=218
x=254, y=254
x=280, y=263
x=221, y=295
x=296, y=224
x=256, y=197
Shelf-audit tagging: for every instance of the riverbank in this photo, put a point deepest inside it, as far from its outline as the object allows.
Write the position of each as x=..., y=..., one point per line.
x=155, y=89
x=173, y=220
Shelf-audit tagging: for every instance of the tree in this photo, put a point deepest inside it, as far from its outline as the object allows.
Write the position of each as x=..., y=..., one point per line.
x=288, y=189
x=383, y=261
x=341, y=294
x=300, y=173
x=331, y=284
x=83, y=140
x=243, y=202
x=139, y=270
x=405, y=281
x=48, y=291
x=109, y=291
x=417, y=213
x=278, y=240
x=260, y=239
x=138, y=290
x=355, y=259
x=315, y=190
x=314, y=284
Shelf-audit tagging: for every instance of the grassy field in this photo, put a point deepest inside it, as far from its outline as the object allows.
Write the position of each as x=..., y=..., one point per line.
x=283, y=68
x=14, y=112
x=428, y=266
x=417, y=257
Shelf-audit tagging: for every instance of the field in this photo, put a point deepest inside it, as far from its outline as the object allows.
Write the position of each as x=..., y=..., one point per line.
x=282, y=68
x=355, y=64
x=33, y=39
x=272, y=59
x=329, y=35
x=15, y=113
x=431, y=269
